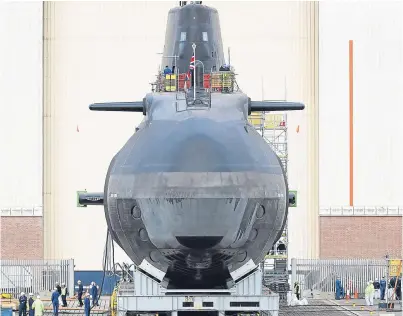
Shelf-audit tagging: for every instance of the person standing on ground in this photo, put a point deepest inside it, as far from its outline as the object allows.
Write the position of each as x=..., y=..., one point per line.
x=382, y=287
x=339, y=289
x=55, y=301
x=369, y=294
x=87, y=305
x=64, y=293
x=297, y=290
x=94, y=294
x=22, y=308
x=80, y=293
x=30, y=302
x=38, y=306
x=377, y=289
x=59, y=289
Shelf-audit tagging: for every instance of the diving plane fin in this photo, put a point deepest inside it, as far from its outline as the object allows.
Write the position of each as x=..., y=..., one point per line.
x=136, y=106
x=271, y=106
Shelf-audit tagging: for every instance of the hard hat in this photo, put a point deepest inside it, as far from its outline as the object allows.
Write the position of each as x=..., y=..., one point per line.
x=30, y=294
x=370, y=281
x=57, y=283
x=55, y=288
x=22, y=293
x=78, y=281
x=38, y=296
x=63, y=283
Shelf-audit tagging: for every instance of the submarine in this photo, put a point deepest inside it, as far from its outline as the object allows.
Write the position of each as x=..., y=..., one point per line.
x=196, y=197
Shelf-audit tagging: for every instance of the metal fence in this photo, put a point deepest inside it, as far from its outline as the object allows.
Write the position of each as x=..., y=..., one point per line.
x=320, y=275
x=36, y=276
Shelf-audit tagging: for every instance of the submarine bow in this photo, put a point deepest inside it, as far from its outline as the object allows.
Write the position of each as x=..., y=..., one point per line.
x=196, y=197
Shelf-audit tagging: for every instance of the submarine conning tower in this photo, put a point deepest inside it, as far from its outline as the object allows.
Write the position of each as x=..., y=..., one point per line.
x=193, y=22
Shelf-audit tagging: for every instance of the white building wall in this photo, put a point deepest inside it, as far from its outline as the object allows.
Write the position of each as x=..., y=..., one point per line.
x=107, y=52
x=376, y=29
x=21, y=104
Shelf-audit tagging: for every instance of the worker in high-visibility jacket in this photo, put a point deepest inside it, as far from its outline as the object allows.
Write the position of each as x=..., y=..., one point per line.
x=64, y=293
x=369, y=294
x=38, y=306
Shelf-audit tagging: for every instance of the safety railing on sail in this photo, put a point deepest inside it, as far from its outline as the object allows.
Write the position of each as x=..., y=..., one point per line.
x=221, y=81
x=35, y=276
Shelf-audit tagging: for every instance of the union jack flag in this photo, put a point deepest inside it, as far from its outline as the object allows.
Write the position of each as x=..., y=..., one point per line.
x=192, y=62
x=191, y=66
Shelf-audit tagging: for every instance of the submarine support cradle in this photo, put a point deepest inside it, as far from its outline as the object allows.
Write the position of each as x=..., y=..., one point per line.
x=146, y=296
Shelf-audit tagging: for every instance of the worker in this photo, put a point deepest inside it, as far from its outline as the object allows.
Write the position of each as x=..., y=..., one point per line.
x=297, y=290
x=382, y=287
x=369, y=294
x=30, y=302
x=339, y=289
x=94, y=294
x=167, y=70
x=65, y=292
x=59, y=289
x=38, y=306
x=224, y=68
x=87, y=306
x=391, y=291
x=399, y=289
x=55, y=301
x=80, y=293
x=22, y=308
x=377, y=289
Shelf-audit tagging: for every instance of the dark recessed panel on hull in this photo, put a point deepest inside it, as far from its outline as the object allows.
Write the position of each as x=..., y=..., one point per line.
x=196, y=197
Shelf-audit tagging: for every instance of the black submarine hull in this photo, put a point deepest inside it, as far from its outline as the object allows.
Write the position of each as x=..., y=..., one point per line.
x=196, y=197
x=196, y=200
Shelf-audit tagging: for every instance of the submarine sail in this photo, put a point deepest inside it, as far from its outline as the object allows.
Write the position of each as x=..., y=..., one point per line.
x=196, y=197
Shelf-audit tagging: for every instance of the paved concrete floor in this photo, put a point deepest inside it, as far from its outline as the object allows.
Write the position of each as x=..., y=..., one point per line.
x=318, y=307
x=74, y=309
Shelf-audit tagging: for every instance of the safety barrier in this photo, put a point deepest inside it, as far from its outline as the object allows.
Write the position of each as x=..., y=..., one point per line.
x=354, y=274
x=222, y=81
x=170, y=83
x=36, y=276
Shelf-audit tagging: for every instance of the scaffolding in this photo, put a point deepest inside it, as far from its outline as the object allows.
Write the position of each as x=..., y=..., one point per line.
x=273, y=128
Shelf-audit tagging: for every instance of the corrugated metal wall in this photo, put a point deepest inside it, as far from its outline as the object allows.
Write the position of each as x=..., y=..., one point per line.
x=86, y=277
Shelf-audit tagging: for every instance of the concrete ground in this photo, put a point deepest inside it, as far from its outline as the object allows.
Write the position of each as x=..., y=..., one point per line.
x=318, y=307
x=74, y=309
